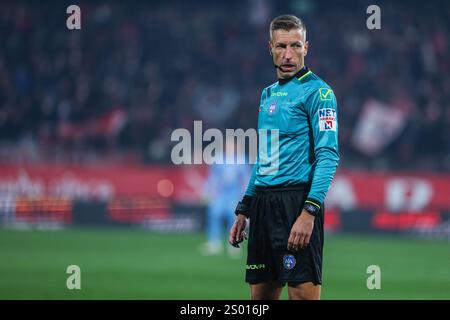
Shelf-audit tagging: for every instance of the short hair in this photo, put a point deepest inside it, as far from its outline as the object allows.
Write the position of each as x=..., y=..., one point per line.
x=287, y=22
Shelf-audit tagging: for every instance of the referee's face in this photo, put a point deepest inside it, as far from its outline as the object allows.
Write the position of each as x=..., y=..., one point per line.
x=288, y=50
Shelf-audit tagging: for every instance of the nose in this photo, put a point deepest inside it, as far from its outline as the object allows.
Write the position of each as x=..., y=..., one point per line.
x=288, y=53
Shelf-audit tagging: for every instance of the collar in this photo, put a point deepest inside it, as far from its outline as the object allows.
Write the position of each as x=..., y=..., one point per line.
x=299, y=74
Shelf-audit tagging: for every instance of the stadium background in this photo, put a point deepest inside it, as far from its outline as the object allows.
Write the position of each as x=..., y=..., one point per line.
x=85, y=123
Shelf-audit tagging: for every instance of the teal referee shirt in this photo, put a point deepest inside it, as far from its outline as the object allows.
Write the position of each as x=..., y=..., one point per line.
x=298, y=136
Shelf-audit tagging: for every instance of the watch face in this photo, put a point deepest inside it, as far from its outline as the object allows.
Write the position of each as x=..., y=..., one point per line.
x=311, y=209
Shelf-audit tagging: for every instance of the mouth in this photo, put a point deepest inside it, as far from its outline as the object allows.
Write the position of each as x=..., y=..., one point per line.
x=287, y=67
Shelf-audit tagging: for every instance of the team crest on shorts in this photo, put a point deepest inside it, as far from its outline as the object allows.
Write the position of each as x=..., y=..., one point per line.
x=289, y=261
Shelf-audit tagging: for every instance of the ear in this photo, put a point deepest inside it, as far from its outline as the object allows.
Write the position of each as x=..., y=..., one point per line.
x=269, y=45
x=306, y=48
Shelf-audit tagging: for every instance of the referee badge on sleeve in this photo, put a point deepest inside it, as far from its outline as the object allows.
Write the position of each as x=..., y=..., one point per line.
x=326, y=94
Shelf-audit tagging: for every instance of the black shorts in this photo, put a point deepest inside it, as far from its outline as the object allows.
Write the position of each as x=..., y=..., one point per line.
x=272, y=215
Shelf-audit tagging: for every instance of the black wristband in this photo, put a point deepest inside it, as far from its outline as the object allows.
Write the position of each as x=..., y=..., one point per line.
x=312, y=207
x=243, y=207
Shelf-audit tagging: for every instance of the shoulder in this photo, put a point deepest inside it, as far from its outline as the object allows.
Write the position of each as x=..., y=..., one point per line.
x=316, y=90
x=266, y=91
x=268, y=88
x=312, y=83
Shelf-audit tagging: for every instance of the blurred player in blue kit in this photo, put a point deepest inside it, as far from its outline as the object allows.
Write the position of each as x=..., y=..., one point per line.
x=224, y=186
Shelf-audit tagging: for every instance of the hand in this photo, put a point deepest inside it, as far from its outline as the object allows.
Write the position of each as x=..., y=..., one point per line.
x=237, y=232
x=301, y=231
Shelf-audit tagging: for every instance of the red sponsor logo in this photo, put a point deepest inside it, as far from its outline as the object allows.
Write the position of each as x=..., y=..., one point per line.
x=405, y=220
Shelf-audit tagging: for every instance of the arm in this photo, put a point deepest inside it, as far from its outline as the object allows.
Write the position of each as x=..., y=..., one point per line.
x=237, y=233
x=323, y=116
x=250, y=191
x=244, y=205
x=322, y=113
x=242, y=211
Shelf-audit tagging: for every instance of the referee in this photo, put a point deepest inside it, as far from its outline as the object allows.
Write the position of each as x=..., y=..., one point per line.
x=285, y=204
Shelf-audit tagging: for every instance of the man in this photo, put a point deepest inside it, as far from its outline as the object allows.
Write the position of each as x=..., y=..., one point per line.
x=285, y=203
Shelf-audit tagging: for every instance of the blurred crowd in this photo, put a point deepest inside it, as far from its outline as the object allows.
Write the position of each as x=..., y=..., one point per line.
x=117, y=88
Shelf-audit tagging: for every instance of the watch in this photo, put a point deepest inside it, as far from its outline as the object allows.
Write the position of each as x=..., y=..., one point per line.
x=312, y=208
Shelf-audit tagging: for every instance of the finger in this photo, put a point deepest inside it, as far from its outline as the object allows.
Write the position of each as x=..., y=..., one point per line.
x=307, y=238
x=301, y=241
x=233, y=242
x=294, y=241
x=243, y=236
x=290, y=241
x=239, y=231
x=231, y=238
x=296, y=245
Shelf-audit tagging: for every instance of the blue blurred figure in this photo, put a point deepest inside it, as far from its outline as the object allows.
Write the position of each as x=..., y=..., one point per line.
x=222, y=190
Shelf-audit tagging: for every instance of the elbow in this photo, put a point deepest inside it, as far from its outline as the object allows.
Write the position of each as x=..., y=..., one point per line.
x=328, y=154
